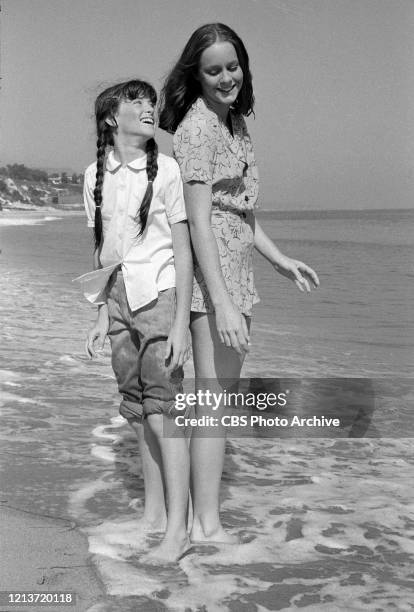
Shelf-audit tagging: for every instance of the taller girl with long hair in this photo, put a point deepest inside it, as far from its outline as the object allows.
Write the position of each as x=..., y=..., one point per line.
x=204, y=101
x=142, y=285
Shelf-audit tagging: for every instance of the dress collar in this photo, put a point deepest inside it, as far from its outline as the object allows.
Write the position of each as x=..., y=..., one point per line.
x=202, y=105
x=235, y=143
x=140, y=163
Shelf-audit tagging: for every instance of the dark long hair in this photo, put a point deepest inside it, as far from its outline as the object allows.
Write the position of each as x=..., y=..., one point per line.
x=106, y=106
x=182, y=88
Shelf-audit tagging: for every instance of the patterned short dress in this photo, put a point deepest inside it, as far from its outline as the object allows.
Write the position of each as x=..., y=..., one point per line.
x=207, y=152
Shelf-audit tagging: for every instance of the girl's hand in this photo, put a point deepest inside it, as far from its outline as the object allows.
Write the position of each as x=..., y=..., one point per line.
x=177, y=349
x=96, y=336
x=232, y=328
x=301, y=274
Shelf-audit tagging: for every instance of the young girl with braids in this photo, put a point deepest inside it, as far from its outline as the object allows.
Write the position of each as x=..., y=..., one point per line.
x=142, y=285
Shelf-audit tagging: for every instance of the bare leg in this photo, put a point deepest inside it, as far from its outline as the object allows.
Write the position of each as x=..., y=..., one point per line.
x=176, y=471
x=155, y=515
x=214, y=361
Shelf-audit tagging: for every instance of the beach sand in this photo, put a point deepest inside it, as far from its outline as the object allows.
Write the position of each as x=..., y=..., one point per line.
x=40, y=554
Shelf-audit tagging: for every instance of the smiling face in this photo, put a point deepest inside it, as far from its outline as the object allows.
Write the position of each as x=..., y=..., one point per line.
x=135, y=118
x=220, y=76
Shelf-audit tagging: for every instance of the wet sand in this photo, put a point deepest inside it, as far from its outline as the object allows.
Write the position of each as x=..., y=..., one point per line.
x=40, y=554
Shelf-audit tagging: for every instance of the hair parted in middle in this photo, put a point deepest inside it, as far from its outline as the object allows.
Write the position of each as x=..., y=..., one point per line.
x=182, y=87
x=106, y=106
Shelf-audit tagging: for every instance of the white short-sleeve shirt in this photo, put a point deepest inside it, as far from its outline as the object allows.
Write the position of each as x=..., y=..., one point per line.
x=148, y=261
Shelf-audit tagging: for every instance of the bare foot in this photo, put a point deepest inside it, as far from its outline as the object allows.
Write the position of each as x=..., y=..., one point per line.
x=152, y=525
x=169, y=551
x=214, y=536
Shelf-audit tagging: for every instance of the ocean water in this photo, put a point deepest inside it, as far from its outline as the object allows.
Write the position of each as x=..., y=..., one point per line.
x=327, y=523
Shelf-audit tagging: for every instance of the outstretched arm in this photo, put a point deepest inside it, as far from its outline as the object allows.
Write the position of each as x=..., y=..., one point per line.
x=302, y=275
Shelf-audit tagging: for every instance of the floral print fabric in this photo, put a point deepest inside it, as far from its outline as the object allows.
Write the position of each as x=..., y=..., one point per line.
x=207, y=152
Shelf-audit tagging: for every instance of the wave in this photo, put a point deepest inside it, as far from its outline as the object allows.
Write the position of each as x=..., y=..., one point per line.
x=26, y=221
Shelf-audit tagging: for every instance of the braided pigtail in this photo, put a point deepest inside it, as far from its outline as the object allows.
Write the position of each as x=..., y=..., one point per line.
x=97, y=193
x=152, y=170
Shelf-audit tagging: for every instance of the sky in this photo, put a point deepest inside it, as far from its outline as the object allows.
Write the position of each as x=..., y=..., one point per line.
x=333, y=81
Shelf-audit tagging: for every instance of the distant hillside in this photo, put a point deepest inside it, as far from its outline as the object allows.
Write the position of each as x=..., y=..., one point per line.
x=52, y=170
x=31, y=188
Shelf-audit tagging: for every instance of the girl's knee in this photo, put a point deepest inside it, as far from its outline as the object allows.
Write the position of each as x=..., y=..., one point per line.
x=155, y=423
x=136, y=425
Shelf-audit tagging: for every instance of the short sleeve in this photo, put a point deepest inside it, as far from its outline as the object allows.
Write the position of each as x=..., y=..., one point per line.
x=174, y=197
x=195, y=149
x=88, y=199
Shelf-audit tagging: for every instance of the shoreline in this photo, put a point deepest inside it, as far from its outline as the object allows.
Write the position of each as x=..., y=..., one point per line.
x=43, y=554
x=21, y=216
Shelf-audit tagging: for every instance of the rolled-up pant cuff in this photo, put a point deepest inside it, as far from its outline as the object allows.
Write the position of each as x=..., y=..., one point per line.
x=165, y=407
x=131, y=410
x=138, y=412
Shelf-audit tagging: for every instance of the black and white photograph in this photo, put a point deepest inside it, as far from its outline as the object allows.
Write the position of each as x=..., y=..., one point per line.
x=207, y=332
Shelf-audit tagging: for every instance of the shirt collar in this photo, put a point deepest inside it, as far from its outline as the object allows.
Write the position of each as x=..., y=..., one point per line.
x=235, y=142
x=201, y=106
x=140, y=163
